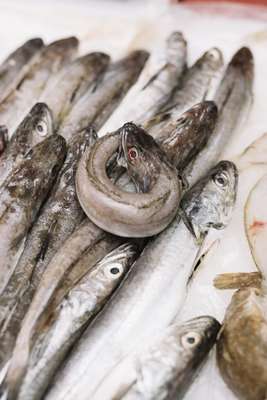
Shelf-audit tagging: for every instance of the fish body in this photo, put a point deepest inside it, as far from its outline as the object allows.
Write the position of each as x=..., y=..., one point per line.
x=154, y=86
x=22, y=195
x=165, y=370
x=138, y=309
x=71, y=82
x=71, y=317
x=49, y=61
x=233, y=98
x=101, y=99
x=242, y=345
x=193, y=89
x=17, y=65
x=35, y=127
x=55, y=222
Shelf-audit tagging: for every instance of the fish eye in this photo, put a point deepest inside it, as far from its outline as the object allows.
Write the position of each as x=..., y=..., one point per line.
x=132, y=153
x=220, y=180
x=113, y=271
x=41, y=128
x=190, y=339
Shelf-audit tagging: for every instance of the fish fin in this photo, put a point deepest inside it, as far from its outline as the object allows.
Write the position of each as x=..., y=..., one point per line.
x=237, y=280
x=154, y=77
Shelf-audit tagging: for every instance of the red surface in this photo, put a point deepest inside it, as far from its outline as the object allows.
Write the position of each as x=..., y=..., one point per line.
x=262, y=2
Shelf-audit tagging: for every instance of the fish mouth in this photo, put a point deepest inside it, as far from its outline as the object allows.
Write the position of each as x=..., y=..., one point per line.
x=122, y=152
x=244, y=61
x=215, y=57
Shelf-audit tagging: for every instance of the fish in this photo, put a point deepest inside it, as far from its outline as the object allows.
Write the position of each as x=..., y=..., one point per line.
x=102, y=97
x=193, y=89
x=242, y=344
x=160, y=75
x=88, y=244
x=22, y=195
x=50, y=60
x=70, y=318
x=71, y=82
x=129, y=214
x=14, y=68
x=138, y=309
x=233, y=98
x=166, y=369
x=3, y=138
x=56, y=221
x=35, y=127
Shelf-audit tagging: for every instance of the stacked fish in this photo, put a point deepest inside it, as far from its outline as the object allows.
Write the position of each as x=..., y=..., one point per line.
x=111, y=180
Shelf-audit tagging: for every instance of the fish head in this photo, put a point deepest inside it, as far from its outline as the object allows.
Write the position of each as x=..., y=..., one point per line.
x=196, y=337
x=191, y=133
x=213, y=58
x=243, y=62
x=39, y=122
x=140, y=155
x=209, y=203
x=117, y=263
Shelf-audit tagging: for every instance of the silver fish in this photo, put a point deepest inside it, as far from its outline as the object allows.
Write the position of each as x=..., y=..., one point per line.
x=17, y=65
x=165, y=370
x=49, y=61
x=193, y=89
x=233, y=97
x=100, y=100
x=71, y=317
x=56, y=221
x=138, y=309
x=36, y=126
x=154, y=86
x=22, y=195
x=71, y=82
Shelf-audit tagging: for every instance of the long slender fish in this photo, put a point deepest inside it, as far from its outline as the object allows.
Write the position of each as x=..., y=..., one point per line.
x=71, y=317
x=138, y=310
x=192, y=90
x=21, y=196
x=165, y=370
x=17, y=65
x=71, y=82
x=101, y=99
x=56, y=221
x=159, y=77
x=36, y=126
x=242, y=346
x=117, y=211
x=89, y=243
x=233, y=97
x=49, y=61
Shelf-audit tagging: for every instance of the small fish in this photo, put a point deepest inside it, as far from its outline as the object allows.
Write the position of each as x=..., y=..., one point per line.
x=101, y=99
x=22, y=195
x=50, y=59
x=70, y=318
x=56, y=221
x=120, y=212
x=165, y=370
x=139, y=309
x=36, y=126
x=160, y=75
x=193, y=89
x=3, y=138
x=233, y=98
x=242, y=345
x=71, y=82
x=17, y=65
